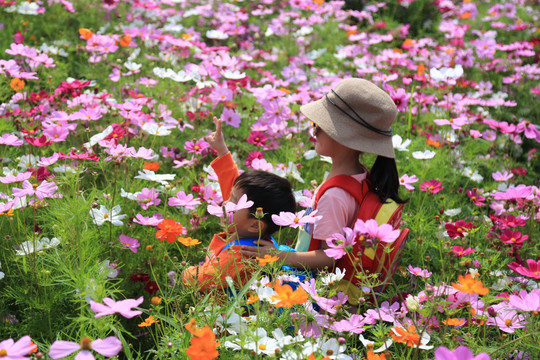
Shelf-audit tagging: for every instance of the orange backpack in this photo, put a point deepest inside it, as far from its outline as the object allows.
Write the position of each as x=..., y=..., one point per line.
x=378, y=260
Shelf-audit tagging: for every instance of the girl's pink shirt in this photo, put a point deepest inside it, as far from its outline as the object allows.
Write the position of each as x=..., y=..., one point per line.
x=338, y=209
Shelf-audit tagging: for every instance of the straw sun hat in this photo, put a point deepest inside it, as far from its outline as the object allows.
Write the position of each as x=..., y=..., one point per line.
x=357, y=114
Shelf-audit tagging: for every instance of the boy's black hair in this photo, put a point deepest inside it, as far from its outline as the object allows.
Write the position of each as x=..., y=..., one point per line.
x=384, y=179
x=268, y=191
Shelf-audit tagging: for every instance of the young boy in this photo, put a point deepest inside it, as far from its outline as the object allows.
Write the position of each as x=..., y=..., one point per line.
x=268, y=191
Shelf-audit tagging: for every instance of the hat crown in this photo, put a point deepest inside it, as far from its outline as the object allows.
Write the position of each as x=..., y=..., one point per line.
x=367, y=100
x=357, y=114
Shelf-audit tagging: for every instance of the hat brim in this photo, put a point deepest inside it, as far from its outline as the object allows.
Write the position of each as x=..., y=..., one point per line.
x=344, y=130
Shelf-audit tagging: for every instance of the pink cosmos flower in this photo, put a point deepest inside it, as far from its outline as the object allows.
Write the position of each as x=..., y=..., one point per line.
x=507, y=319
x=354, y=324
x=533, y=271
x=196, y=147
x=295, y=220
x=122, y=307
x=182, y=199
x=153, y=220
x=148, y=197
x=44, y=190
x=371, y=229
x=460, y=353
x=526, y=301
x=229, y=207
x=10, y=139
x=231, y=117
x=8, y=179
x=432, y=186
x=407, y=180
x=416, y=271
x=12, y=350
x=386, y=312
x=339, y=244
x=459, y=252
x=107, y=347
x=56, y=133
x=130, y=243
x=498, y=176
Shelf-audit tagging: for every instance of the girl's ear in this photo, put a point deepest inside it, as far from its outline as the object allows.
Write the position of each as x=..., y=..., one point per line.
x=256, y=226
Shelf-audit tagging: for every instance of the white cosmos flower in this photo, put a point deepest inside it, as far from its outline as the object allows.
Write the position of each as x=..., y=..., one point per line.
x=163, y=179
x=399, y=144
x=132, y=66
x=156, y=129
x=452, y=212
x=423, y=155
x=180, y=76
x=102, y=215
x=472, y=174
x=384, y=347
x=265, y=345
x=1, y=273
x=233, y=75
x=29, y=247
x=333, y=278
x=160, y=72
x=216, y=34
x=446, y=73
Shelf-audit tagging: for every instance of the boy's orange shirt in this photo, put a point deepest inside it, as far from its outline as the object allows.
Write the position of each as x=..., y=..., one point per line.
x=220, y=264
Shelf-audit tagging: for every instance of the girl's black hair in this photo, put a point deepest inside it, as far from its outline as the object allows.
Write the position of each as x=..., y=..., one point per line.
x=384, y=179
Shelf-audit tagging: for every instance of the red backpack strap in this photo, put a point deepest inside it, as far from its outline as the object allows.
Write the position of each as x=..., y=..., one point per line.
x=355, y=188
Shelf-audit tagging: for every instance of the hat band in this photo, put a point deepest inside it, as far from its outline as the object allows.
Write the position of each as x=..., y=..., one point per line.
x=359, y=119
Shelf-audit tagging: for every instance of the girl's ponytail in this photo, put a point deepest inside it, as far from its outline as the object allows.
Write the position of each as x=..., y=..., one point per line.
x=384, y=179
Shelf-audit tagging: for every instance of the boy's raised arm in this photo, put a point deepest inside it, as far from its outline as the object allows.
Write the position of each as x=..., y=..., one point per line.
x=217, y=140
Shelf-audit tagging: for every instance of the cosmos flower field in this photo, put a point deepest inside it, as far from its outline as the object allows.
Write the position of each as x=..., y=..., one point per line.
x=107, y=195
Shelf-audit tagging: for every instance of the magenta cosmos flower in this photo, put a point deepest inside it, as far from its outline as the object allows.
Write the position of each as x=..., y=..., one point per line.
x=460, y=353
x=122, y=307
x=107, y=347
x=432, y=186
x=533, y=270
x=11, y=350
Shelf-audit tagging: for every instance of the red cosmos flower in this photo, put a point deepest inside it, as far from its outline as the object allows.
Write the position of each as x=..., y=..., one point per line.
x=252, y=156
x=476, y=198
x=41, y=173
x=459, y=228
x=257, y=138
x=510, y=221
x=151, y=287
x=431, y=186
x=515, y=238
x=39, y=142
x=533, y=270
x=169, y=230
x=520, y=170
x=139, y=277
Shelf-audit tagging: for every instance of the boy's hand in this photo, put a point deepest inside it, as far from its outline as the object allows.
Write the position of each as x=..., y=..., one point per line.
x=264, y=247
x=216, y=139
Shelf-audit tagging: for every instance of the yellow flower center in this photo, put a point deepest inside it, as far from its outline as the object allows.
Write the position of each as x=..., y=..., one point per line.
x=105, y=216
x=86, y=343
x=262, y=347
x=3, y=353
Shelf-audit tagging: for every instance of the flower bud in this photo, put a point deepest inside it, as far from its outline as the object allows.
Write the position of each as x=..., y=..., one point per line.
x=413, y=303
x=491, y=311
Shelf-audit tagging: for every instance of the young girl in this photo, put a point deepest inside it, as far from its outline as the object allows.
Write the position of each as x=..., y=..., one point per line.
x=353, y=118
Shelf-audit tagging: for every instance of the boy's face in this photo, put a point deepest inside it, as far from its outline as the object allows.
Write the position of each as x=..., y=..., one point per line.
x=242, y=223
